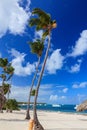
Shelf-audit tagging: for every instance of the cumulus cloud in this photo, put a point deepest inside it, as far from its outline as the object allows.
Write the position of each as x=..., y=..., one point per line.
x=81, y=45
x=13, y=17
x=17, y=63
x=76, y=67
x=65, y=90
x=54, y=62
x=56, y=99
x=53, y=98
x=80, y=85
x=20, y=93
x=38, y=34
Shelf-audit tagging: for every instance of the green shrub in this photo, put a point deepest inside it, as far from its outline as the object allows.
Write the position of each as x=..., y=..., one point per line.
x=11, y=104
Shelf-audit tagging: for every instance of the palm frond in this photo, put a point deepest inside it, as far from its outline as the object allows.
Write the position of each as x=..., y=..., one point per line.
x=45, y=34
x=6, y=87
x=42, y=14
x=3, y=62
x=37, y=47
x=9, y=77
x=34, y=22
x=33, y=92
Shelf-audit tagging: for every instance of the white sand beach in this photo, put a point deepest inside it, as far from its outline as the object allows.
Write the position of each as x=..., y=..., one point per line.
x=49, y=120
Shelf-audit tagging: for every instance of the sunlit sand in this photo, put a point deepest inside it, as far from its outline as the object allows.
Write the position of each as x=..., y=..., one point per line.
x=49, y=120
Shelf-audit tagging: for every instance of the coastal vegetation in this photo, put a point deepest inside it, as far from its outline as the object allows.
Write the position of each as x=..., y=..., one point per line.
x=6, y=73
x=11, y=104
x=42, y=21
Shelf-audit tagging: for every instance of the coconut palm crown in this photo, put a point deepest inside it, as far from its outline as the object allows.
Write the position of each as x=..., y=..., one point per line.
x=3, y=62
x=42, y=21
x=37, y=47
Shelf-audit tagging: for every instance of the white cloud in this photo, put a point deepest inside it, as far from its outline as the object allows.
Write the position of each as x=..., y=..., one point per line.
x=13, y=17
x=46, y=86
x=80, y=85
x=17, y=63
x=62, y=97
x=65, y=90
x=76, y=67
x=28, y=5
x=19, y=93
x=38, y=34
x=53, y=98
x=56, y=98
x=54, y=62
x=81, y=45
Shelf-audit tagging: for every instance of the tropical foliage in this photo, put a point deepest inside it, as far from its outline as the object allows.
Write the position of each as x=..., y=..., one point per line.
x=6, y=73
x=42, y=21
x=11, y=104
x=36, y=48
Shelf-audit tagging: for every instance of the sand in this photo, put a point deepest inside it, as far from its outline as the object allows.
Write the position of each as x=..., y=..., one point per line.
x=49, y=120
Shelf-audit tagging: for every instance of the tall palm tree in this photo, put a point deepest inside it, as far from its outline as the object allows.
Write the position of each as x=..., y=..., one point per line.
x=42, y=21
x=7, y=73
x=3, y=76
x=3, y=64
x=36, y=48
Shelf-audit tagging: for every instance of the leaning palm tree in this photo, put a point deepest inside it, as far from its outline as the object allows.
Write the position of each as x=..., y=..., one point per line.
x=3, y=76
x=42, y=22
x=36, y=48
x=9, y=71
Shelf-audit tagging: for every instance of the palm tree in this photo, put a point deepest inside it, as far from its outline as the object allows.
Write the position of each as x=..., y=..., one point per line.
x=36, y=48
x=3, y=76
x=2, y=99
x=7, y=73
x=43, y=21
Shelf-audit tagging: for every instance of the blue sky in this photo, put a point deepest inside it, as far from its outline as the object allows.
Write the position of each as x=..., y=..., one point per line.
x=65, y=76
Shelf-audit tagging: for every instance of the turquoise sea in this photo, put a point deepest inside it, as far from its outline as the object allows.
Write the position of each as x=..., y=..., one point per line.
x=55, y=108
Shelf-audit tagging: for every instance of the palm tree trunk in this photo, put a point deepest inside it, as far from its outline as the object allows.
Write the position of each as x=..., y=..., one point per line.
x=37, y=125
x=28, y=106
x=7, y=110
x=1, y=111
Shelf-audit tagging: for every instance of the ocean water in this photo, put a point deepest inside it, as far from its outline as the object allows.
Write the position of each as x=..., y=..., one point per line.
x=55, y=108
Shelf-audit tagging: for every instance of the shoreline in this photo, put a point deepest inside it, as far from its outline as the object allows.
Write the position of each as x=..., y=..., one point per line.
x=64, y=112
